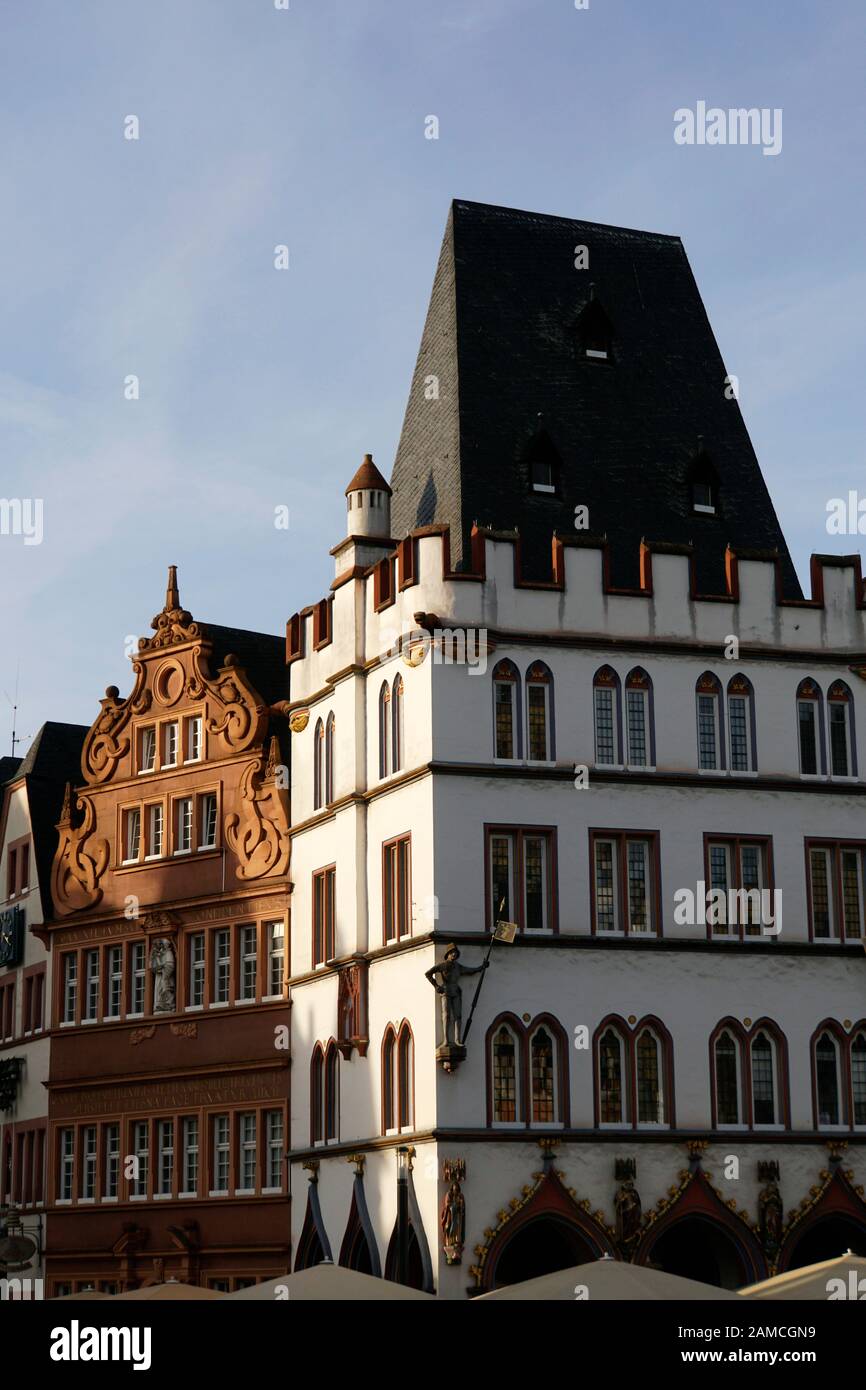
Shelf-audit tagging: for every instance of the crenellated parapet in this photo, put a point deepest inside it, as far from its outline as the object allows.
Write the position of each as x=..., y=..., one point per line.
x=370, y=608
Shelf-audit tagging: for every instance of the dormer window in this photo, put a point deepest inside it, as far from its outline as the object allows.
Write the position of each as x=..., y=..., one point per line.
x=702, y=497
x=542, y=464
x=703, y=483
x=595, y=333
x=542, y=476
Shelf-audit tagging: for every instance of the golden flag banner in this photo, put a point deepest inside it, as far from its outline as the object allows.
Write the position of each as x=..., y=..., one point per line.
x=505, y=931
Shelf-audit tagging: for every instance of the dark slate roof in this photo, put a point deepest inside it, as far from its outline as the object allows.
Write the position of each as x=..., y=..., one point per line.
x=503, y=336
x=52, y=760
x=8, y=768
x=262, y=656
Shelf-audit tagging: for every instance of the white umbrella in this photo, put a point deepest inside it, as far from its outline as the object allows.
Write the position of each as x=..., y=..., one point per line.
x=609, y=1279
x=824, y=1282
x=172, y=1291
x=329, y=1282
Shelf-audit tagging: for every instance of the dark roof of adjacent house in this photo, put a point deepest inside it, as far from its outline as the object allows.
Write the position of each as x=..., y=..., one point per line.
x=8, y=768
x=261, y=655
x=52, y=760
x=508, y=326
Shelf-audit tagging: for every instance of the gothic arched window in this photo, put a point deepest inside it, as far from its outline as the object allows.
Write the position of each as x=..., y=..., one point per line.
x=385, y=730
x=708, y=700
x=397, y=733
x=639, y=733
x=840, y=724
x=606, y=714
x=741, y=725
x=539, y=713
x=318, y=765
x=506, y=711
x=329, y=759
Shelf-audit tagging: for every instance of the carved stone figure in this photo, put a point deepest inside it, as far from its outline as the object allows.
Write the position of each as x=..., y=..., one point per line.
x=453, y=1216
x=162, y=964
x=627, y=1205
x=770, y=1218
x=450, y=973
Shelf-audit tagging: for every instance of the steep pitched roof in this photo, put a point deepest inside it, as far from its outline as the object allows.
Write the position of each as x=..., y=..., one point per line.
x=506, y=335
x=8, y=768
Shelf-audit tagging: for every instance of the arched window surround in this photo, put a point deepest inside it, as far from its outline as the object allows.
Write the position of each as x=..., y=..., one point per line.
x=398, y=750
x=330, y=727
x=744, y=1038
x=638, y=680
x=630, y=1035
x=539, y=676
x=506, y=674
x=325, y=1094
x=844, y=1040
x=523, y=1034
x=398, y=1079
x=709, y=687
x=607, y=718
x=809, y=693
x=318, y=765
x=840, y=700
x=741, y=688
x=385, y=730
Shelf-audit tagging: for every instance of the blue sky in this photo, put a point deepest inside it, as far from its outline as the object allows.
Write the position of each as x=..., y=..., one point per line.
x=258, y=388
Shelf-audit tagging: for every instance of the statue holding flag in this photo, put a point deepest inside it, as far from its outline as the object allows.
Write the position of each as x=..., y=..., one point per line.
x=445, y=979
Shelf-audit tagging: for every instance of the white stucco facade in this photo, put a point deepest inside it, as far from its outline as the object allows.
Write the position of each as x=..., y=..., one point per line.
x=458, y=802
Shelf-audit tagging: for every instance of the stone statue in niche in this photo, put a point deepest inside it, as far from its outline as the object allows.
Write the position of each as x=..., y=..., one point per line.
x=627, y=1205
x=453, y=1215
x=162, y=965
x=770, y=1218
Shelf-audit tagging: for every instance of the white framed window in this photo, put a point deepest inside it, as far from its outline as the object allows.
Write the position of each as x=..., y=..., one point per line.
x=276, y=937
x=248, y=952
x=169, y=745
x=765, y=1082
x=112, y=1162
x=709, y=732
x=606, y=721
x=147, y=749
x=183, y=825
x=189, y=1133
x=208, y=821
x=221, y=1154
x=637, y=725
x=505, y=688
x=727, y=1064
x=702, y=497
x=141, y=1153
x=222, y=966
x=649, y=1064
x=536, y=911
x=506, y=1077
x=612, y=1079
x=538, y=714
x=196, y=970
x=839, y=731
x=165, y=1152
x=67, y=1165
x=274, y=1139
x=624, y=878
x=88, y=1166
x=132, y=835
x=70, y=987
x=91, y=986
x=137, y=978
x=114, y=962
x=193, y=739
x=247, y=1152
x=742, y=753
x=155, y=830
x=829, y=1085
